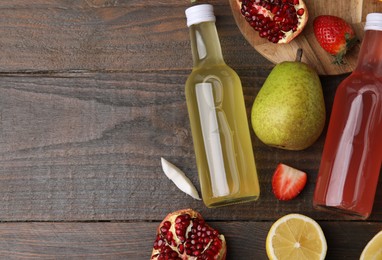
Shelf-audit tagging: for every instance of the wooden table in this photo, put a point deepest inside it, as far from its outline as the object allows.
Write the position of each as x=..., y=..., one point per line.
x=91, y=97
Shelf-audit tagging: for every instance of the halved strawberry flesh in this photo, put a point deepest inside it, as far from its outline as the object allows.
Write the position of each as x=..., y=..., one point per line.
x=288, y=182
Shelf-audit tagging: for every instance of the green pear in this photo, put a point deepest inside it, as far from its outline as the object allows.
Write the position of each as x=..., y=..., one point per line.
x=289, y=110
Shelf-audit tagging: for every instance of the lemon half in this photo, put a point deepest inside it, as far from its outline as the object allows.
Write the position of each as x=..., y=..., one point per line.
x=296, y=237
x=373, y=249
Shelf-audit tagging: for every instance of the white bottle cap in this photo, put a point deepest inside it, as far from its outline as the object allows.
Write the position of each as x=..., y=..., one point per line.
x=374, y=22
x=200, y=13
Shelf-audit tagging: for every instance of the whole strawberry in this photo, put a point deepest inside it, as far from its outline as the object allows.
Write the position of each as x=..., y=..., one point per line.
x=334, y=35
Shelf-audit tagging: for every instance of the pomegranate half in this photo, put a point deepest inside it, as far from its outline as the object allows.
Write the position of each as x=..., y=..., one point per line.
x=279, y=21
x=183, y=234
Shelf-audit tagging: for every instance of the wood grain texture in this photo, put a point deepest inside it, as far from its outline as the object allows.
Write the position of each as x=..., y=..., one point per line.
x=87, y=146
x=245, y=240
x=89, y=35
x=91, y=96
x=354, y=12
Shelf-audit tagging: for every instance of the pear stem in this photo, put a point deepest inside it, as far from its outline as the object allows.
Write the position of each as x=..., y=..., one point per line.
x=298, y=55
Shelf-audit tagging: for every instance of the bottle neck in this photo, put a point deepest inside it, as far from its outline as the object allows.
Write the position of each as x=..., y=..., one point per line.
x=370, y=55
x=205, y=44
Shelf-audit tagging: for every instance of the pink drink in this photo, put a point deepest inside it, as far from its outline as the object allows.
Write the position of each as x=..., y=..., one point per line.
x=351, y=159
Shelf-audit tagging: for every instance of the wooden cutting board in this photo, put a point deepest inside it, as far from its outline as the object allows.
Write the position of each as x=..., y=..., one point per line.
x=353, y=11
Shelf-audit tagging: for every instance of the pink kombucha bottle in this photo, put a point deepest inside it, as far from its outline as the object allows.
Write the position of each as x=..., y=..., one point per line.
x=351, y=160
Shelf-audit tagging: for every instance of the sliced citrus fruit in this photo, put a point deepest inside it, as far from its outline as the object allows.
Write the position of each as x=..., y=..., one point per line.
x=373, y=249
x=296, y=237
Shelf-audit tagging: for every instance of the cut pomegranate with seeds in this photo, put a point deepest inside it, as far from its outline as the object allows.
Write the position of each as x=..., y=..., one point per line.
x=279, y=21
x=184, y=234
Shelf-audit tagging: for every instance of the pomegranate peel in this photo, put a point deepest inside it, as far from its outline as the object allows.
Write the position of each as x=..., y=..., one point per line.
x=183, y=234
x=279, y=21
x=179, y=179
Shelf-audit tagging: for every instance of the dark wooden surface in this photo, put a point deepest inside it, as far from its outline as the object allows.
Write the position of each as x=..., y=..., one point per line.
x=91, y=96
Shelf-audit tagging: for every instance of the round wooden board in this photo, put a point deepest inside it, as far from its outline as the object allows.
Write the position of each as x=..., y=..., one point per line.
x=353, y=11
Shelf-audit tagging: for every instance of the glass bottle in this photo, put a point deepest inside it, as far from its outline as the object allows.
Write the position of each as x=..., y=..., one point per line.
x=352, y=154
x=218, y=118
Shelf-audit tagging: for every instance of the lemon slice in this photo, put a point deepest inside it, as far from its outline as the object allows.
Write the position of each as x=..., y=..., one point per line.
x=373, y=249
x=296, y=237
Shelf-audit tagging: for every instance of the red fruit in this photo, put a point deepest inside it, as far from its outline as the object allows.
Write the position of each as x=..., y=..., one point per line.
x=279, y=21
x=288, y=182
x=334, y=35
x=183, y=234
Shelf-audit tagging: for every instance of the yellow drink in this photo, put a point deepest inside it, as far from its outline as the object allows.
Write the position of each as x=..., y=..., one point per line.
x=219, y=124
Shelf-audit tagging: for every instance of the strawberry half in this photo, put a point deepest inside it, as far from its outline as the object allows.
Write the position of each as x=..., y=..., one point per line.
x=287, y=182
x=334, y=35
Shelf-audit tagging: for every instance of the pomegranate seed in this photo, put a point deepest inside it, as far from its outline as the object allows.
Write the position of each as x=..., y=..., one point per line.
x=263, y=34
x=192, y=238
x=285, y=7
x=253, y=11
x=300, y=11
x=216, y=242
x=163, y=230
x=169, y=236
x=196, y=253
x=285, y=28
x=167, y=224
x=275, y=9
